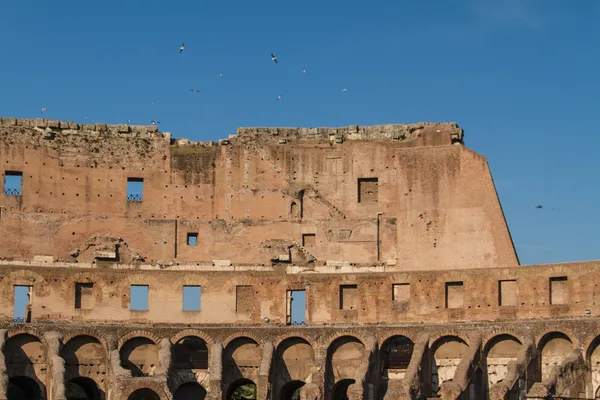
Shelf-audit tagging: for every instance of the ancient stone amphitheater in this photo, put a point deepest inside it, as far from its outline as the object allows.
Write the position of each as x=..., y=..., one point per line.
x=326, y=263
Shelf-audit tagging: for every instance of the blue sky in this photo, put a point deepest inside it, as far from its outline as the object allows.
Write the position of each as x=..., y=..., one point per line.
x=520, y=76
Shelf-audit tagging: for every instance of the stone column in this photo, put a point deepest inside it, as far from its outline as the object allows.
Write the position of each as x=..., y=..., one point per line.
x=3, y=372
x=56, y=383
x=262, y=386
x=164, y=357
x=115, y=371
x=316, y=386
x=215, y=368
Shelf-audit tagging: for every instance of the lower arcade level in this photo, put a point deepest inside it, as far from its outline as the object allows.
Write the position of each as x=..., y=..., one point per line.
x=538, y=358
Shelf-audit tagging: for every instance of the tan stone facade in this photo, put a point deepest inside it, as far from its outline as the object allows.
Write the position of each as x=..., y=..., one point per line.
x=394, y=234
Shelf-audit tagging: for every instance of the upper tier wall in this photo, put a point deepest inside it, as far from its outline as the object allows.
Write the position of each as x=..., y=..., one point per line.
x=395, y=194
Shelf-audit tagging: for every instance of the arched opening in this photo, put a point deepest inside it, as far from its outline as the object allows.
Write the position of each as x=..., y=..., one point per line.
x=340, y=389
x=241, y=361
x=395, y=355
x=499, y=352
x=82, y=389
x=553, y=348
x=291, y=390
x=345, y=358
x=242, y=389
x=293, y=364
x=190, y=391
x=447, y=352
x=190, y=353
x=140, y=356
x=84, y=356
x=23, y=388
x=593, y=361
x=144, y=394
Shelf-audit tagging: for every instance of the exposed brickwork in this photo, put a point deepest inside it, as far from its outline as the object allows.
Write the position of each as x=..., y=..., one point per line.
x=394, y=233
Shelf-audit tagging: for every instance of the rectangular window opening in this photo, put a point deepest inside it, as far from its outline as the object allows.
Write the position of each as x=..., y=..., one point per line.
x=192, y=298
x=296, y=307
x=507, y=292
x=348, y=297
x=13, y=182
x=139, y=298
x=558, y=290
x=192, y=239
x=454, y=294
x=309, y=239
x=135, y=189
x=22, y=303
x=368, y=190
x=244, y=298
x=401, y=292
x=84, y=298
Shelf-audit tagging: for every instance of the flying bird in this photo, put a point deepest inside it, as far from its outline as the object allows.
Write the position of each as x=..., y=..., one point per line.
x=220, y=75
x=344, y=90
x=195, y=90
x=274, y=58
x=278, y=97
x=151, y=103
x=128, y=121
x=539, y=206
x=304, y=70
x=181, y=48
x=43, y=110
x=154, y=122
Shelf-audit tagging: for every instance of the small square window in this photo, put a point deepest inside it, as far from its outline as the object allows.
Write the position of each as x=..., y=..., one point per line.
x=454, y=294
x=507, y=292
x=84, y=299
x=13, y=182
x=348, y=297
x=139, y=298
x=368, y=190
x=309, y=239
x=558, y=290
x=135, y=189
x=192, y=239
x=192, y=298
x=401, y=292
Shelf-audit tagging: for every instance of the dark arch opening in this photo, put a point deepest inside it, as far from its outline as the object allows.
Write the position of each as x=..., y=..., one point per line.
x=291, y=390
x=23, y=388
x=144, y=394
x=190, y=391
x=190, y=352
x=242, y=389
x=396, y=352
x=81, y=388
x=340, y=389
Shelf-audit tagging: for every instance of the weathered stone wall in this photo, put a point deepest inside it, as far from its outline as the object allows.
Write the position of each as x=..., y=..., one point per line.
x=265, y=195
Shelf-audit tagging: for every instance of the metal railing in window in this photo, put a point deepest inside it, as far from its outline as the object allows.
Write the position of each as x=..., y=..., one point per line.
x=298, y=323
x=19, y=319
x=12, y=192
x=134, y=197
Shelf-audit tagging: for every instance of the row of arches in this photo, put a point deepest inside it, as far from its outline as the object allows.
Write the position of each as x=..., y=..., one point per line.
x=294, y=363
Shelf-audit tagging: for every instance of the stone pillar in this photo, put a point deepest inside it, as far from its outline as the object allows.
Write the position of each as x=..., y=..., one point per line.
x=3, y=372
x=451, y=390
x=316, y=385
x=115, y=371
x=164, y=357
x=56, y=383
x=262, y=386
x=215, y=368
x=411, y=383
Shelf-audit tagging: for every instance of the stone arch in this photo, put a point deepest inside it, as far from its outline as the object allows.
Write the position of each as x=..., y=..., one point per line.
x=397, y=332
x=139, y=355
x=238, y=335
x=144, y=394
x=192, y=332
x=491, y=336
x=82, y=388
x=86, y=357
x=294, y=361
x=291, y=390
x=394, y=358
x=190, y=353
x=86, y=332
x=23, y=387
x=190, y=391
x=553, y=348
x=499, y=351
x=341, y=390
x=291, y=335
x=564, y=332
x=335, y=336
x=592, y=357
x=242, y=357
x=446, y=353
x=134, y=334
x=242, y=385
x=346, y=357
x=449, y=333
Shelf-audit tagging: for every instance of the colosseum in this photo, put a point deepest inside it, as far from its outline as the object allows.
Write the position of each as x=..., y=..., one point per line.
x=276, y=264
